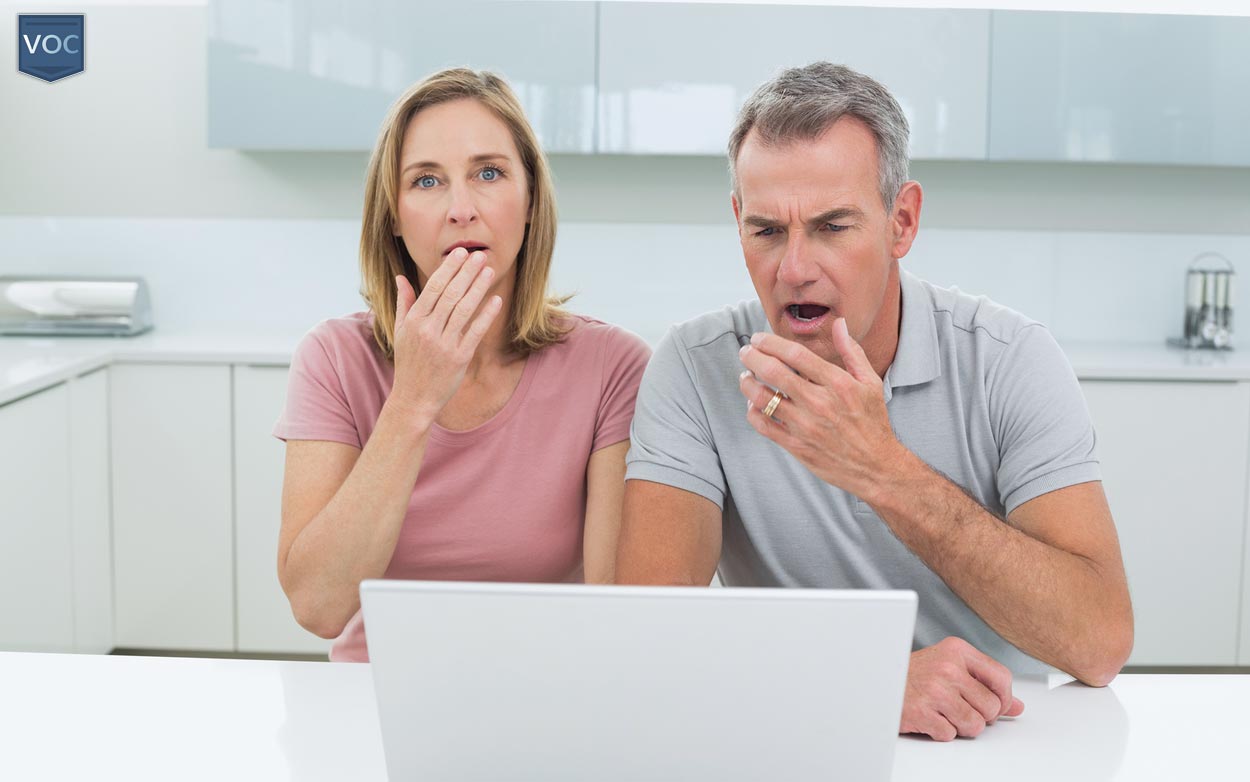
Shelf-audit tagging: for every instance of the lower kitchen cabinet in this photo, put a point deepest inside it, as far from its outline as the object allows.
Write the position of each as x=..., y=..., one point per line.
x=89, y=499
x=265, y=622
x=1174, y=459
x=173, y=541
x=36, y=537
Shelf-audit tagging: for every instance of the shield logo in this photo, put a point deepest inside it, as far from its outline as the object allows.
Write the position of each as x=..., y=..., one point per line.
x=50, y=46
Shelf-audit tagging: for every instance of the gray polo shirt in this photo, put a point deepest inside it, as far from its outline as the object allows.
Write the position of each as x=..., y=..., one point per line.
x=979, y=392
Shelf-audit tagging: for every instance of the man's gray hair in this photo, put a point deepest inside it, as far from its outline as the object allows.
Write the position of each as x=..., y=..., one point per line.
x=800, y=104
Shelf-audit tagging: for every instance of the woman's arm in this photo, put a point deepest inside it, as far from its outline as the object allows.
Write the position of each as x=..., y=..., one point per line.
x=343, y=508
x=605, y=490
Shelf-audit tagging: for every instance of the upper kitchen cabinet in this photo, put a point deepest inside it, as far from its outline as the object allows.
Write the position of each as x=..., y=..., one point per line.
x=1124, y=88
x=673, y=75
x=321, y=74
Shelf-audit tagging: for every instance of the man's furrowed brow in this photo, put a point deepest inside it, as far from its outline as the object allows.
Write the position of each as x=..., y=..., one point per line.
x=836, y=214
x=760, y=221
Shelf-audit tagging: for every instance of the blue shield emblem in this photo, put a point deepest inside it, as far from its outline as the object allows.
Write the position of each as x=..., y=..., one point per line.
x=50, y=46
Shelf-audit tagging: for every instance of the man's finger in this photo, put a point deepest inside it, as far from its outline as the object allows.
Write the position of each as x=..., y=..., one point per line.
x=772, y=371
x=986, y=702
x=792, y=354
x=995, y=676
x=433, y=289
x=853, y=356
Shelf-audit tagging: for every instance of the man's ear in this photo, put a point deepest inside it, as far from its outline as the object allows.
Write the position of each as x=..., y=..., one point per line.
x=737, y=207
x=905, y=217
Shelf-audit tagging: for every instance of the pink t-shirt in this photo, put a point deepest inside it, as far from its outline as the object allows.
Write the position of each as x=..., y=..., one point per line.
x=504, y=501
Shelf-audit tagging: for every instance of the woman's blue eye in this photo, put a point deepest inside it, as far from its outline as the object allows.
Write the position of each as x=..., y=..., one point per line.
x=490, y=174
x=427, y=181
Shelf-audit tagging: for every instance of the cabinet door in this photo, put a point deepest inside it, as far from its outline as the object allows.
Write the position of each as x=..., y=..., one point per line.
x=672, y=76
x=1124, y=88
x=172, y=534
x=1174, y=459
x=320, y=74
x=89, y=496
x=36, y=565
x=264, y=614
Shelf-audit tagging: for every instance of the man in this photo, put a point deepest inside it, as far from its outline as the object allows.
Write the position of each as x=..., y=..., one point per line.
x=857, y=427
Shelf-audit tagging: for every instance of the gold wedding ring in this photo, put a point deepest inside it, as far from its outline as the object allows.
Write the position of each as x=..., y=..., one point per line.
x=771, y=407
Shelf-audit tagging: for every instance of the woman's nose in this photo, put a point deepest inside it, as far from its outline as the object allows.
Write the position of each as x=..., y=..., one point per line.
x=463, y=208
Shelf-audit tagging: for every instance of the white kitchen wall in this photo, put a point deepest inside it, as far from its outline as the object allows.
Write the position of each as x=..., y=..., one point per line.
x=282, y=276
x=109, y=172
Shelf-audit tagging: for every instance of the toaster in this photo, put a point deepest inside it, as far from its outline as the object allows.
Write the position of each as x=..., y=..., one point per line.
x=58, y=306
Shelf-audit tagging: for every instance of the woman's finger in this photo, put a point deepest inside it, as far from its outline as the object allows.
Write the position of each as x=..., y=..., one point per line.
x=405, y=297
x=456, y=289
x=481, y=324
x=434, y=287
x=468, y=304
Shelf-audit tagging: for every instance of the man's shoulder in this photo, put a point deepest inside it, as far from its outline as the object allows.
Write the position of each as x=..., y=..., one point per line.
x=730, y=322
x=973, y=316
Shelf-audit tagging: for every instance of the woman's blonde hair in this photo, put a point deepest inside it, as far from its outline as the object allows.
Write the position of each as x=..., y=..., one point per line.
x=537, y=319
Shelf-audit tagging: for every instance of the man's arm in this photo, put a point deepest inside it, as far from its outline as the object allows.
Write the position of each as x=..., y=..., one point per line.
x=668, y=536
x=1050, y=580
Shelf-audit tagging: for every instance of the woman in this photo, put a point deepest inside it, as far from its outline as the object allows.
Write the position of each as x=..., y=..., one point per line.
x=465, y=427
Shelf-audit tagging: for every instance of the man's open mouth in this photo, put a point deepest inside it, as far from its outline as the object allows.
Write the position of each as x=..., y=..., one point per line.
x=806, y=313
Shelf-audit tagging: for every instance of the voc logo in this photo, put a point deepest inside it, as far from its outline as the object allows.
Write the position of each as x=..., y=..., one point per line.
x=50, y=46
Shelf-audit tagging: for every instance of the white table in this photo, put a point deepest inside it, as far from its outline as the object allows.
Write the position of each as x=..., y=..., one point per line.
x=84, y=717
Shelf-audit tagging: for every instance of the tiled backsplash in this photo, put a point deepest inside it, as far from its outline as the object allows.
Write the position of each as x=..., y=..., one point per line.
x=282, y=275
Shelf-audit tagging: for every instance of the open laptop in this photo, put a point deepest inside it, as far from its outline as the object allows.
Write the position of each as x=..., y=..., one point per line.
x=500, y=682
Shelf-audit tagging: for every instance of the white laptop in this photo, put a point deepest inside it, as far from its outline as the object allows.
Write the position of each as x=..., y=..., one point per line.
x=498, y=682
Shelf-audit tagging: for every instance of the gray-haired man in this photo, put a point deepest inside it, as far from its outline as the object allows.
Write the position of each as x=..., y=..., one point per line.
x=919, y=438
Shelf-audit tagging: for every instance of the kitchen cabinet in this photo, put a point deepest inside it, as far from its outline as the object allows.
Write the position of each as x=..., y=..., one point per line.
x=322, y=74
x=1174, y=460
x=36, y=537
x=173, y=539
x=89, y=500
x=672, y=76
x=1123, y=88
x=265, y=621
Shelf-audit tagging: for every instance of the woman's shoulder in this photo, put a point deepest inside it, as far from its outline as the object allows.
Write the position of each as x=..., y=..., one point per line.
x=586, y=333
x=342, y=337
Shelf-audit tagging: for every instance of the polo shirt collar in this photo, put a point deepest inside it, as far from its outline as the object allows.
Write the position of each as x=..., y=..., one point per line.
x=918, y=357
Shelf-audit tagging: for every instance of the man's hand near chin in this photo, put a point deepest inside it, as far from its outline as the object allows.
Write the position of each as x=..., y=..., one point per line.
x=954, y=690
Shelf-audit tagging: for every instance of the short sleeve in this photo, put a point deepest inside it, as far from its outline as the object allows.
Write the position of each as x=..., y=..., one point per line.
x=316, y=404
x=624, y=360
x=670, y=440
x=1042, y=425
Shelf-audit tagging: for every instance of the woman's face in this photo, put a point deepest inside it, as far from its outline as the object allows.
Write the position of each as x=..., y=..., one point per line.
x=462, y=184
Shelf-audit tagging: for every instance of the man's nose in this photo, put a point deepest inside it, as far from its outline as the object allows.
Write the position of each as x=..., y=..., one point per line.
x=796, y=269
x=463, y=207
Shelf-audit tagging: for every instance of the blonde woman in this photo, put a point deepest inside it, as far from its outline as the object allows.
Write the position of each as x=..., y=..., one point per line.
x=465, y=427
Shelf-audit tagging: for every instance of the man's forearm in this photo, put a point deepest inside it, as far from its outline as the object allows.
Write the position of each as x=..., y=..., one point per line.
x=1046, y=601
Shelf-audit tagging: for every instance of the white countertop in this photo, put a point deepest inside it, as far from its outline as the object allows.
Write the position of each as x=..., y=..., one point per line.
x=30, y=364
x=69, y=717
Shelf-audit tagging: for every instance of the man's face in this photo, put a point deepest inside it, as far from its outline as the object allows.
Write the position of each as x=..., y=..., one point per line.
x=817, y=240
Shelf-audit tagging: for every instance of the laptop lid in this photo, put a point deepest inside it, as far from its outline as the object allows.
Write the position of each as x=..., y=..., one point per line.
x=496, y=682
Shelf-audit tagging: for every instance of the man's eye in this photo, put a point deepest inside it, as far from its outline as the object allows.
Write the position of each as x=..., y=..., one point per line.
x=426, y=181
x=766, y=231
x=835, y=228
